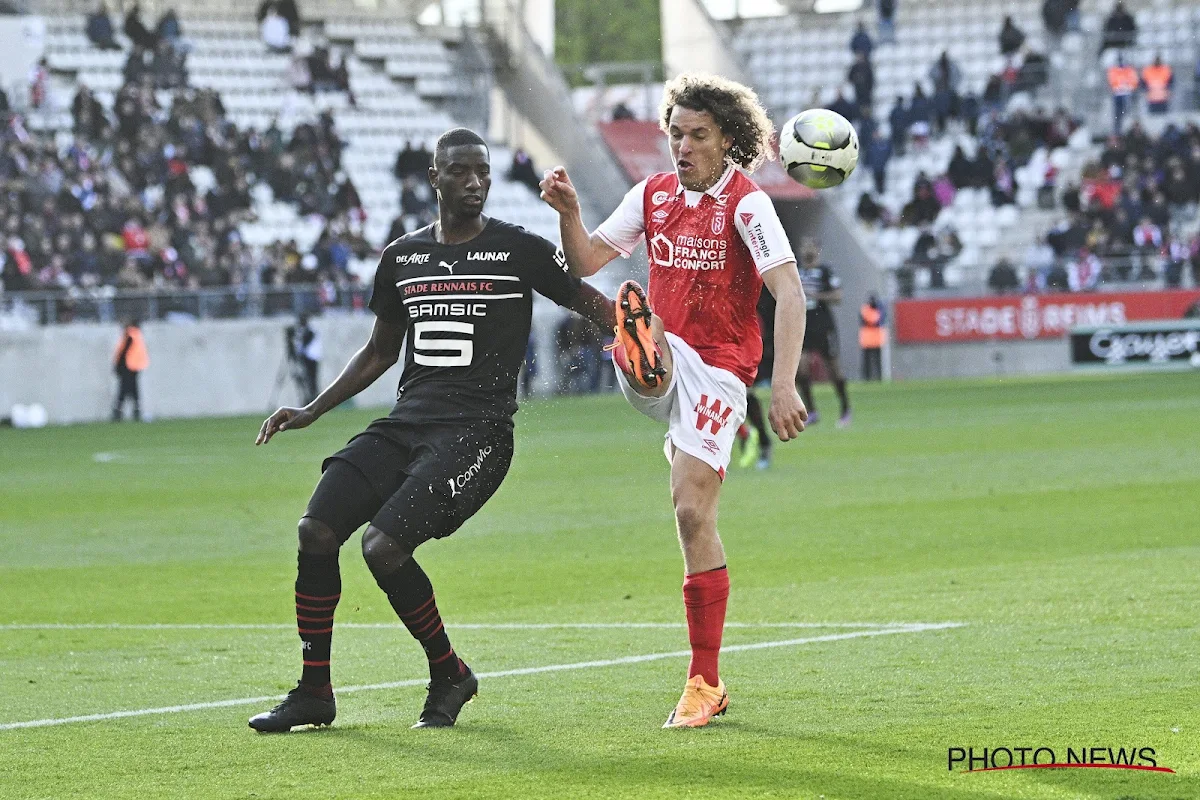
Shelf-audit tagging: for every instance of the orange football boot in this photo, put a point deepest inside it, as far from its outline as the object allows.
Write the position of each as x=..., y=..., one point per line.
x=699, y=704
x=635, y=350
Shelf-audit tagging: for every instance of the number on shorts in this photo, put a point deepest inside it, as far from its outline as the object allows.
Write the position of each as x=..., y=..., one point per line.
x=437, y=352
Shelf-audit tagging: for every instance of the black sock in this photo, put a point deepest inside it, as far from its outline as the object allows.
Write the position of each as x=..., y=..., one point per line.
x=754, y=414
x=411, y=594
x=804, y=386
x=840, y=387
x=318, y=588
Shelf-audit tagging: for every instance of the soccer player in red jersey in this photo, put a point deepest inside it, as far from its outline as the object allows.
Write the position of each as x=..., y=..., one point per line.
x=714, y=239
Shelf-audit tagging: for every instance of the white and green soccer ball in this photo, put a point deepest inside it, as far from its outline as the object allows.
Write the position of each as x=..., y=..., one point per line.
x=819, y=148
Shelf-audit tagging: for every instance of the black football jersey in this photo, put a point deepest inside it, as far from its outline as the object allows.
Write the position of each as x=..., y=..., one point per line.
x=818, y=279
x=467, y=308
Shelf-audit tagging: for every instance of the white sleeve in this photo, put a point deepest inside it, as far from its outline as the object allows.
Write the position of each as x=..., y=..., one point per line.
x=625, y=227
x=762, y=232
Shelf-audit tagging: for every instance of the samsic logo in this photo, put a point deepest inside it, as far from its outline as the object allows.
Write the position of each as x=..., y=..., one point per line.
x=994, y=759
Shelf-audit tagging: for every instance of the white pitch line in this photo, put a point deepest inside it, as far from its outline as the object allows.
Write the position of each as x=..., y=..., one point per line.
x=608, y=662
x=486, y=626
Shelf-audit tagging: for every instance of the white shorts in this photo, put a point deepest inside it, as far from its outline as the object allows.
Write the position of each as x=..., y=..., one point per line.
x=703, y=407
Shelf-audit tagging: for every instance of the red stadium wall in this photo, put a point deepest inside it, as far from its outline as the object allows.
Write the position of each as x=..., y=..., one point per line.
x=1030, y=317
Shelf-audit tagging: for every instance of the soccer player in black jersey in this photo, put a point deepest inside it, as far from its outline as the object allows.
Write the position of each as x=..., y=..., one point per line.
x=461, y=290
x=822, y=289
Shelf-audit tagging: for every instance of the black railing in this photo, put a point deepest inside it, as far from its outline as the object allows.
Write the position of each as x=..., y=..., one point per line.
x=108, y=305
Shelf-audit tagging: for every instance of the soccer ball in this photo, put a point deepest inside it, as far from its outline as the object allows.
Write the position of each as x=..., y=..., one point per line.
x=819, y=148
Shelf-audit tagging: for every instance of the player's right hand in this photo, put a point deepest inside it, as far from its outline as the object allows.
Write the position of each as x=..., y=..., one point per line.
x=285, y=419
x=558, y=191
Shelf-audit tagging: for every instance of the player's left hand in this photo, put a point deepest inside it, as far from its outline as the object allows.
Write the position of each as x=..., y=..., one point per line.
x=285, y=419
x=787, y=414
x=558, y=191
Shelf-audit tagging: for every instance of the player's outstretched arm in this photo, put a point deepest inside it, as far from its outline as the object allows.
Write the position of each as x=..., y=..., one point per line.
x=594, y=306
x=373, y=359
x=586, y=253
x=787, y=414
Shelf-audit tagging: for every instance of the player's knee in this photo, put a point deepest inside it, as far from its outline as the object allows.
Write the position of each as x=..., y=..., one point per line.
x=317, y=537
x=691, y=518
x=382, y=553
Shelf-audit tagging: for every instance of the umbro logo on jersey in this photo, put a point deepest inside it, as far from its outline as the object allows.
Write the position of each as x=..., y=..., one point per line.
x=413, y=258
x=488, y=256
x=661, y=214
x=449, y=267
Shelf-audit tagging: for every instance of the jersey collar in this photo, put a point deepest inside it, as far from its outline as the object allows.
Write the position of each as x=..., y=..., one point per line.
x=716, y=189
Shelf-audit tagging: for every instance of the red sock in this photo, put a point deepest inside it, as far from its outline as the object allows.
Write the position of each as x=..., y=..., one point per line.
x=705, y=596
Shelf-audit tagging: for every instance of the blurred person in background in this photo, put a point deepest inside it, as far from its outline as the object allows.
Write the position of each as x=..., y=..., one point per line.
x=887, y=20
x=275, y=32
x=1120, y=29
x=1158, y=80
x=136, y=30
x=861, y=41
x=100, y=30
x=872, y=333
x=304, y=353
x=822, y=291
x=129, y=361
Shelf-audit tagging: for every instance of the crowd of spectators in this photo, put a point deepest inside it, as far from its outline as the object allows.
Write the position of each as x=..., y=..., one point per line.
x=1133, y=218
x=118, y=206
x=322, y=70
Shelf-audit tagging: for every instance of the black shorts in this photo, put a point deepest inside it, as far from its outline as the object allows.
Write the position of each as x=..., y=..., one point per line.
x=821, y=339
x=413, y=482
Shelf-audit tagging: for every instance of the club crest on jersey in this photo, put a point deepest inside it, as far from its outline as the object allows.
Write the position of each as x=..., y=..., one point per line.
x=413, y=258
x=658, y=198
x=718, y=224
x=488, y=256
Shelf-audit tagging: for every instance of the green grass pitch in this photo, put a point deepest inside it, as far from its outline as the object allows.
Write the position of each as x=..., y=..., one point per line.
x=1057, y=519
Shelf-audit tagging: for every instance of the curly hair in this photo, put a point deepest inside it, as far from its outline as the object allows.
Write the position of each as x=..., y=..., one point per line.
x=736, y=109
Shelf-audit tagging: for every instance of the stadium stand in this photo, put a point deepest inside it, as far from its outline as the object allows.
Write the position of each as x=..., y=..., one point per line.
x=399, y=79
x=1005, y=109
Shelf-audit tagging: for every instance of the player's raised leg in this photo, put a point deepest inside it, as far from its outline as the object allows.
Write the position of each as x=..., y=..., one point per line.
x=695, y=491
x=641, y=350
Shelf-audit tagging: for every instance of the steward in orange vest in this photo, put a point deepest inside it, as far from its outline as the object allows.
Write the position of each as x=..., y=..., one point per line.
x=1124, y=82
x=1158, y=79
x=130, y=359
x=871, y=337
x=1122, y=79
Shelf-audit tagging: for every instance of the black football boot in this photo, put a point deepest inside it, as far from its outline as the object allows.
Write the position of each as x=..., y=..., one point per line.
x=446, y=698
x=300, y=707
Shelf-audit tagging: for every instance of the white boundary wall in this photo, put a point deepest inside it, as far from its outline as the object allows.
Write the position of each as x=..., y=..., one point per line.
x=203, y=369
